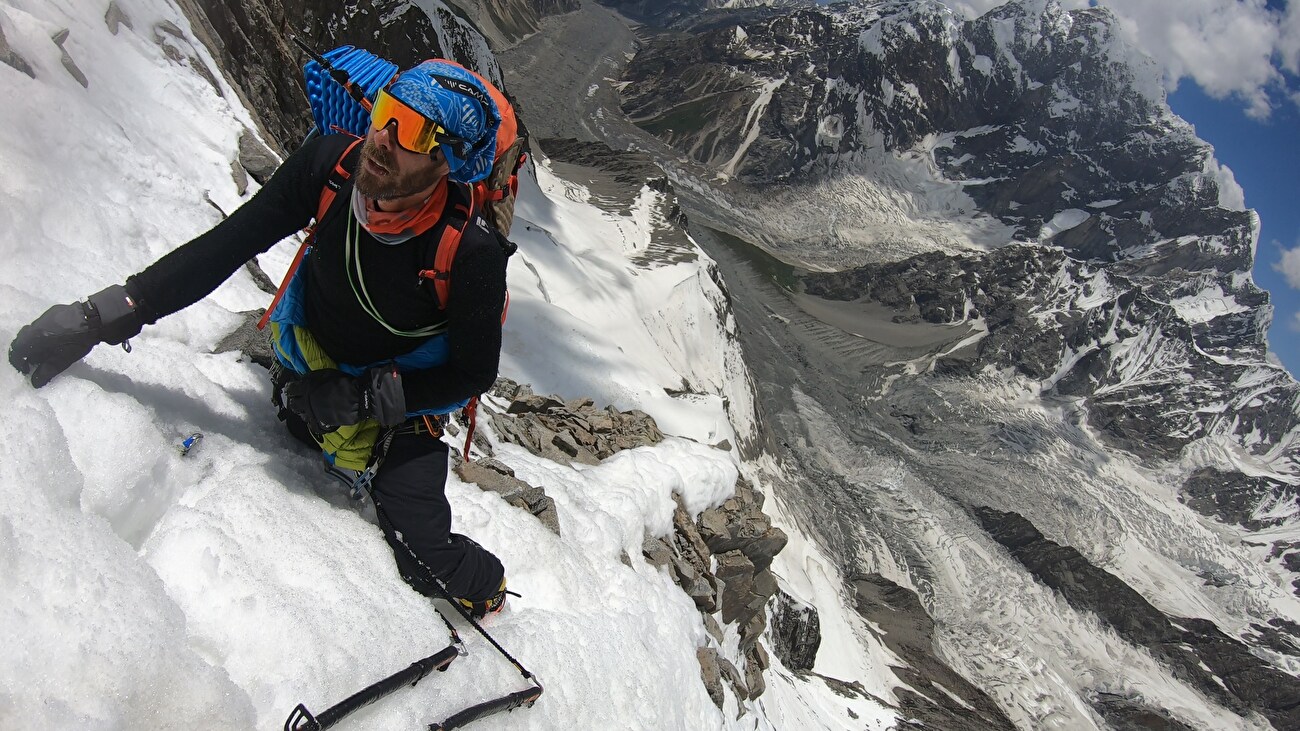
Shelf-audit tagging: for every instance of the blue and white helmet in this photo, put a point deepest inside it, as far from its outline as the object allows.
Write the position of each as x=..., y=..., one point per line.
x=454, y=98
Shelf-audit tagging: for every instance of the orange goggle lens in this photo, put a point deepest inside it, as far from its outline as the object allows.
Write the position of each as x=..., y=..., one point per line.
x=414, y=131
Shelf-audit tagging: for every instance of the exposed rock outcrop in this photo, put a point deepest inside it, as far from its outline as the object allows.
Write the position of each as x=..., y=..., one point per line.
x=1130, y=714
x=575, y=431
x=11, y=57
x=256, y=158
x=114, y=18
x=250, y=41
x=908, y=631
x=69, y=64
x=796, y=629
x=1233, y=497
x=247, y=340
x=720, y=559
x=491, y=475
x=735, y=587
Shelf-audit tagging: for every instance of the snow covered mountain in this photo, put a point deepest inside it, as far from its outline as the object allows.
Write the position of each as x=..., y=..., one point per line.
x=976, y=465
x=1070, y=343
x=1136, y=296
x=217, y=588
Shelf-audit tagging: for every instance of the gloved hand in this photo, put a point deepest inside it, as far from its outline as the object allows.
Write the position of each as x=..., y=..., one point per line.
x=66, y=333
x=328, y=399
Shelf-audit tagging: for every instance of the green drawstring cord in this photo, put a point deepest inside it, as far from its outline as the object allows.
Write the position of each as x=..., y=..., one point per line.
x=353, y=253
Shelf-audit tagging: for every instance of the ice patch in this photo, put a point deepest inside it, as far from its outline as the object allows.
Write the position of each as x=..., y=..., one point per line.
x=1021, y=144
x=1063, y=221
x=1207, y=305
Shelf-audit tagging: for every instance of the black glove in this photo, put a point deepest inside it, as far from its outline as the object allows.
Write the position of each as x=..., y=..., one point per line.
x=328, y=399
x=66, y=333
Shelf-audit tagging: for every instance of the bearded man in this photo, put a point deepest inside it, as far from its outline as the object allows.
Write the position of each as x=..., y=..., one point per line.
x=370, y=356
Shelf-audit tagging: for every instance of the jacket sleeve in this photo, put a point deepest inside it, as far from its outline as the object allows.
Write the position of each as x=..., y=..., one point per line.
x=284, y=205
x=474, y=308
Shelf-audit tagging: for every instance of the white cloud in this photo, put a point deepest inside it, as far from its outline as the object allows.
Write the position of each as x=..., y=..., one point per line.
x=1226, y=46
x=1231, y=48
x=1295, y=322
x=1290, y=39
x=1289, y=265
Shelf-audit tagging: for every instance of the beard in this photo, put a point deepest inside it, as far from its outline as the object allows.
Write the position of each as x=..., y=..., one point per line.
x=392, y=185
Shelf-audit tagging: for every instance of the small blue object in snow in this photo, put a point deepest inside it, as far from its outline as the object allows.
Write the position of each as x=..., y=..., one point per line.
x=189, y=443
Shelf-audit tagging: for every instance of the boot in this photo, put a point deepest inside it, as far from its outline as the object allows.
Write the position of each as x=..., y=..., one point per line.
x=491, y=605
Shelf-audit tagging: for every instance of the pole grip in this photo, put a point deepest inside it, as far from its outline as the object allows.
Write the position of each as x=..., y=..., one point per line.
x=519, y=699
x=302, y=720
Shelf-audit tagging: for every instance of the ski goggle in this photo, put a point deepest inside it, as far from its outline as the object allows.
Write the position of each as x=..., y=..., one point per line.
x=413, y=131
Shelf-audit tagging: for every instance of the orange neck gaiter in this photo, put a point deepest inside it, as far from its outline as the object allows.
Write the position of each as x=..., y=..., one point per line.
x=394, y=227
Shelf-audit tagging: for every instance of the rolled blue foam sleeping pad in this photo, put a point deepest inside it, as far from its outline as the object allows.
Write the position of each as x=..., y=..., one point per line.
x=332, y=108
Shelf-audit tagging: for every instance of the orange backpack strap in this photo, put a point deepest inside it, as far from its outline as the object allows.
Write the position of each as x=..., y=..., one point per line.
x=333, y=184
x=457, y=218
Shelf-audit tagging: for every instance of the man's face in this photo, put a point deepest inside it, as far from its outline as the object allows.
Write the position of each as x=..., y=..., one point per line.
x=389, y=172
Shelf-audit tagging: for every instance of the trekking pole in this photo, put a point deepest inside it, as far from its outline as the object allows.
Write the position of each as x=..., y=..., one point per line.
x=303, y=720
x=523, y=698
x=339, y=75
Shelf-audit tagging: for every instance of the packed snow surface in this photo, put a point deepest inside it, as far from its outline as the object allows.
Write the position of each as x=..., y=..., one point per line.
x=147, y=589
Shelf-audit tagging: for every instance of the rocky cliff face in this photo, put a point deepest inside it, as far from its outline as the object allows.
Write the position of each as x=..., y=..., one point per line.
x=670, y=12
x=251, y=41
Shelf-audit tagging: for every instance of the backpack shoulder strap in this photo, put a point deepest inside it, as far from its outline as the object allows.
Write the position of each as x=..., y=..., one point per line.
x=462, y=206
x=338, y=176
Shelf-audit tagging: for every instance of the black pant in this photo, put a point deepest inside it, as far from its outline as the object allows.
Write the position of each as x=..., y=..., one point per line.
x=409, y=492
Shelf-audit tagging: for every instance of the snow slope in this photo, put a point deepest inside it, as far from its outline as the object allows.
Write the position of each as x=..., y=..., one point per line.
x=146, y=589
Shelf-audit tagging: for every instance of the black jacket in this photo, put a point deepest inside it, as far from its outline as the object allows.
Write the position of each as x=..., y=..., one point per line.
x=286, y=204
